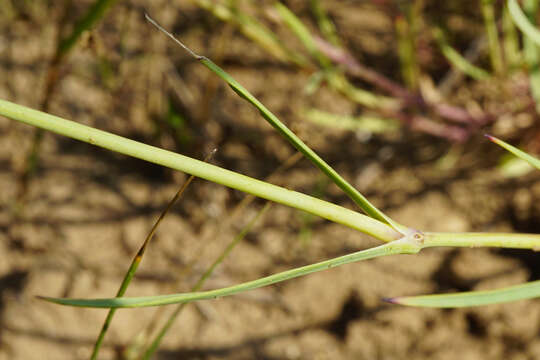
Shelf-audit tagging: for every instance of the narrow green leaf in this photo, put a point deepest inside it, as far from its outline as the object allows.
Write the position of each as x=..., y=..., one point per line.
x=334, y=77
x=391, y=248
x=520, y=154
x=358, y=198
x=473, y=298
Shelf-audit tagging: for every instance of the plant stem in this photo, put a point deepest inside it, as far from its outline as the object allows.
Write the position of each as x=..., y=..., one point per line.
x=200, y=169
x=501, y=240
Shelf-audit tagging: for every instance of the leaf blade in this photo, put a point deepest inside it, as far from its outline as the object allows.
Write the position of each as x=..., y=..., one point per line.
x=391, y=248
x=519, y=153
x=472, y=298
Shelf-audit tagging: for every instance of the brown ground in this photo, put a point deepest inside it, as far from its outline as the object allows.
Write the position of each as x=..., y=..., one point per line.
x=86, y=211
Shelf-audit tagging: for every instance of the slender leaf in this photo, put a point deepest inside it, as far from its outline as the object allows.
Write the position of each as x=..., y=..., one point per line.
x=358, y=198
x=395, y=247
x=520, y=154
x=473, y=298
x=532, y=52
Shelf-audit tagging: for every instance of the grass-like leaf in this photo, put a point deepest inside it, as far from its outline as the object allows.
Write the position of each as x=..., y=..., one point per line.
x=473, y=298
x=94, y=13
x=358, y=198
x=519, y=153
x=402, y=246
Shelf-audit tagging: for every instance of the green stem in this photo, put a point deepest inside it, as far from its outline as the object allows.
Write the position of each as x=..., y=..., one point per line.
x=200, y=169
x=515, y=241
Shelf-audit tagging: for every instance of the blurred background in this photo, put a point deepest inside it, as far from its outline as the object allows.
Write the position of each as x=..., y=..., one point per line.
x=395, y=95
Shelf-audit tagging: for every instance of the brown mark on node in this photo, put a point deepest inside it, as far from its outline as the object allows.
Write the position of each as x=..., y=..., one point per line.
x=418, y=237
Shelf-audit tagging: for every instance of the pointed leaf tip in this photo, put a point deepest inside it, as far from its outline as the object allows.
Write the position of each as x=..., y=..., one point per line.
x=519, y=153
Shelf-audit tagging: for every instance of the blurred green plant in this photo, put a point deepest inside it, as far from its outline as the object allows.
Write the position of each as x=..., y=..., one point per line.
x=531, y=41
x=330, y=64
x=456, y=59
